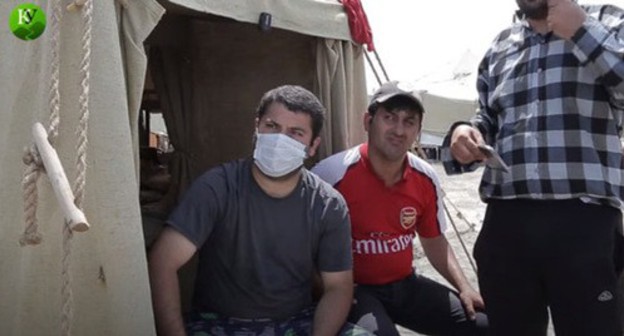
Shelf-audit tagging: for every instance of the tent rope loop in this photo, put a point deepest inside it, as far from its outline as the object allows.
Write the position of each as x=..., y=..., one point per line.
x=83, y=125
x=31, y=235
x=67, y=314
x=55, y=95
x=81, y=160
x=41, y=156
x=76, y=5
x=32, y=158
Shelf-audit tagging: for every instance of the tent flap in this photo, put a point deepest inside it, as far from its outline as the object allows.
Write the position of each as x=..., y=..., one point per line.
x=108, y=270
x=321, y=18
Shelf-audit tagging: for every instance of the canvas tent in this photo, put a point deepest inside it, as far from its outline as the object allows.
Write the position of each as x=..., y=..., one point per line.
x=448, y=96
x=443, y=110
x=220, y=63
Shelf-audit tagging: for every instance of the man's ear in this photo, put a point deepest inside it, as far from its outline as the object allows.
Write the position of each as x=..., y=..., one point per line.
x=420, y=122
x=314, y=146
x=368, y=119
x=254, y=136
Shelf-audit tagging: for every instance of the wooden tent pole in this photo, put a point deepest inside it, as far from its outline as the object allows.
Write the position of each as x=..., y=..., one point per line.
x=75, y=217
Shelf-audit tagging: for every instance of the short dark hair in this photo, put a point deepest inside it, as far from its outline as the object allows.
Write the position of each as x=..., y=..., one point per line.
x=398, y=103
x=298, y=100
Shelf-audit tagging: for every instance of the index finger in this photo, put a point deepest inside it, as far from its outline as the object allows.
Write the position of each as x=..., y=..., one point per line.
x=470, y=309
x=475, y=150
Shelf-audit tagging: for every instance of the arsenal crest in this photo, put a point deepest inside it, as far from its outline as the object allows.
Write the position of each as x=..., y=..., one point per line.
x=408, y=217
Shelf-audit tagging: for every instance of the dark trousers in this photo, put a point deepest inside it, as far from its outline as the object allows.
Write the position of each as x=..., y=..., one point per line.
x=534, y=255
x=416, y=303
x=204, y=324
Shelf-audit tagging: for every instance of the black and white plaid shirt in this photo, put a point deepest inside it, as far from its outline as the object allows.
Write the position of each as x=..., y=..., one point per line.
x=553, y=109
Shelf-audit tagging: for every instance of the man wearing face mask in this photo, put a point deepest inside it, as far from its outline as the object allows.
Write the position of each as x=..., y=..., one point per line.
x=551, y=95
x=263, y=226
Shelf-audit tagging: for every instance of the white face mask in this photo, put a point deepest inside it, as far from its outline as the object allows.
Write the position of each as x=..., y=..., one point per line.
x=277, y=154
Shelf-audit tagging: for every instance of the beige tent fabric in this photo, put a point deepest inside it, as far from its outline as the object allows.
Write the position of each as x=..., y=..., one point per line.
x=441, y=112
x=322, y=18
x=341, y=87
x=110, y=283
x=109, y=273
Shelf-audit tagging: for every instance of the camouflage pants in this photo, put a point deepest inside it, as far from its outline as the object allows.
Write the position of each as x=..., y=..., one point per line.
x=204, y=324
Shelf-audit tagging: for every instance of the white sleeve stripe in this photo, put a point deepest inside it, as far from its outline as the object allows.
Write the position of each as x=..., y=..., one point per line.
x=425, y=168
x=333, y=168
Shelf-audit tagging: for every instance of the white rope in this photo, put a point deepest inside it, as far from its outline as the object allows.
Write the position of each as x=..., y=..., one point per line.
x=34, y=162
x=31, y=235
x=85, y=66
x=55, y=95
x=81, y=163
x=67, y=313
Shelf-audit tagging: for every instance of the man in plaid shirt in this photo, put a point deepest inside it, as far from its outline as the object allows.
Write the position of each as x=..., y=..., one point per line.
x=551, y=92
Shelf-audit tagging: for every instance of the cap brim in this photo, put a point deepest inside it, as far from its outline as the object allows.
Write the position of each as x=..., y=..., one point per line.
x=384, y=98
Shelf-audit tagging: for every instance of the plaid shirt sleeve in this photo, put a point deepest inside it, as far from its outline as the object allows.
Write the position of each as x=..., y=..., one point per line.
x=553, y=109
x=599, y=45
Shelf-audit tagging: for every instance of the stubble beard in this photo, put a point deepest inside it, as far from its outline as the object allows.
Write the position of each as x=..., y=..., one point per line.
x=391, y=153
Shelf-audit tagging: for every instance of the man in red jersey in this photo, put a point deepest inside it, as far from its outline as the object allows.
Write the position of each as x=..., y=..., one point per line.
x=392, y=197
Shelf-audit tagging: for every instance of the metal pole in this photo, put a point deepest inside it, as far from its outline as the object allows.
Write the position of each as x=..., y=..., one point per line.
x=448, y=214
x=381, y=65
x=370, y=63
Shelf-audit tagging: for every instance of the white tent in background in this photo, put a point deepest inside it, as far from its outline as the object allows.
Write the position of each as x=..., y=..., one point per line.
x=448, y=96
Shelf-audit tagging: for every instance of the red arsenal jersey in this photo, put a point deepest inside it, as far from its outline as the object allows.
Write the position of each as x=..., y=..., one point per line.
x=385, y=220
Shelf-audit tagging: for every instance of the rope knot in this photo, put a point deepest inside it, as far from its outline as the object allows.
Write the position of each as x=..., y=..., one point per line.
x=30, y=238
x=75, y=5
x=31, y=157
x=34, y=164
